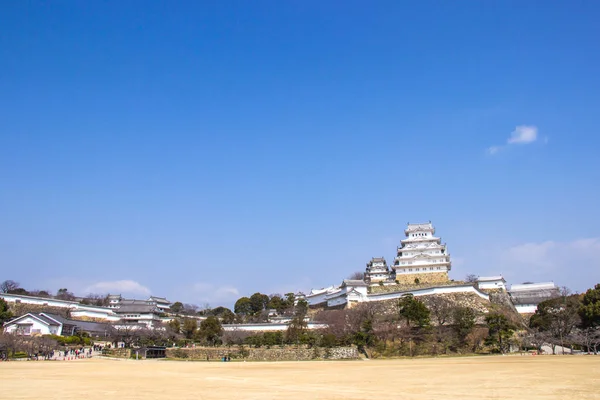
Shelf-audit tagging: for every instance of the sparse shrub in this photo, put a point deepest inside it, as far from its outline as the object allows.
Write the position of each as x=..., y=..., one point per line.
x=180, y=353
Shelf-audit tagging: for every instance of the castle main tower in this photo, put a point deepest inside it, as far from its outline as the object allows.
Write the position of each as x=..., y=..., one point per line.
x=422, y=258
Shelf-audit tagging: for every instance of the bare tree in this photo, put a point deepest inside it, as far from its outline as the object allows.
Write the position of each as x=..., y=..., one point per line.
x=204, y=309
x=235, y=337
x=96, y=300
x=537, y=339
x=471, y=278
x=190, y=309
x=40, y=293
x=358, y=276
x=588, y=338
x=64, y=294
x=128, y=334
x=8, y=286
x=336, y=321
x=441, y=309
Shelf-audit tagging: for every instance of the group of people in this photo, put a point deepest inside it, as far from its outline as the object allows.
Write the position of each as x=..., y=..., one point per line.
x=81, y=352
x=62, y=354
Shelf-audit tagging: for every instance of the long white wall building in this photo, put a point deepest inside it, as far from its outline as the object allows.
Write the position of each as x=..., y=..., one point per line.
x=76, y=309
x=527, y=296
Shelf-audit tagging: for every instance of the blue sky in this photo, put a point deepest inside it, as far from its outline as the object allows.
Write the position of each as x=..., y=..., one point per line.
x=207, y=150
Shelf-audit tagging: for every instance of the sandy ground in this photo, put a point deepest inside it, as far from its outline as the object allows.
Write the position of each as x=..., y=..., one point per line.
x=509, y=377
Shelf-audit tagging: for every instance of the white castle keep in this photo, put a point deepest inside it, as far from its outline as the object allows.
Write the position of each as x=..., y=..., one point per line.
x=421, y=258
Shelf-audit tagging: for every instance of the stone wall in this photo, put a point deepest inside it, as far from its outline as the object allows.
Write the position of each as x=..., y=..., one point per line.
x=470, y=300
x=426, y=277
x=264, y=354
x=411, y=286
x=500, y=296
x=118, y=353
x=19, y=309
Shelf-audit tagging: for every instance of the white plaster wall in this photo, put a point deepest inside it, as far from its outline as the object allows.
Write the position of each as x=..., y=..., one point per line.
x=36, y=327
x=316, y=299
x=266, y=327
x=77, y=309
x=526, y=308
x=492, y=285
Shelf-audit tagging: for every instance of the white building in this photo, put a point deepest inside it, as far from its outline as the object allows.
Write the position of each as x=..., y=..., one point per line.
x=527, y=296
x=162, y=303
x=421, y=256
x=377, y=271
x=268, y=327
x=138, y=312
x=491, y=282
x=33, y=324
x=76, y=309
x=348, y=294
x=114, y=300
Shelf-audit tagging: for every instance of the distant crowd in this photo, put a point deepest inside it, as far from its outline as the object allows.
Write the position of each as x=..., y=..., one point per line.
x=69, y=354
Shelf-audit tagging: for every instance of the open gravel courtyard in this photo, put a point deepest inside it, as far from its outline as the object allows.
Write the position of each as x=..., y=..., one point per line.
x=509, y=377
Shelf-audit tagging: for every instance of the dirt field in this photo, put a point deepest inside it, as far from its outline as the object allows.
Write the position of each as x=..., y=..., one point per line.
x=511, y=377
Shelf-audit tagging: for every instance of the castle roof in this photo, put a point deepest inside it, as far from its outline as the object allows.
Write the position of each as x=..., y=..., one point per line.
x=427, y=226
x=136, y=308
x=159, y=299
x=490, y=278
x=533, y=286
x=353, y=282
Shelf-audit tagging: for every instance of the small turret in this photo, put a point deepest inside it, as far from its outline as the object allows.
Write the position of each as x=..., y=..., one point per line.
x=377, y=271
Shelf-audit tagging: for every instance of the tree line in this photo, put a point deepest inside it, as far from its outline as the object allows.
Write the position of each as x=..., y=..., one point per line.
x=408, y=326
x=437, y=325
x=571, y=320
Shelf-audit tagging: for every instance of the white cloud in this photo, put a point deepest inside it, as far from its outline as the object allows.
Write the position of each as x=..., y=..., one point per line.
x=575, y=263
x=123, y=286
x=209, y=293
x=494, y=149
x=523, y=134
x=538, y=254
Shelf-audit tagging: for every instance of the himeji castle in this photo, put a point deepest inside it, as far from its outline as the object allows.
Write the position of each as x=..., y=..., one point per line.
x=422, y=258
x=420, y=268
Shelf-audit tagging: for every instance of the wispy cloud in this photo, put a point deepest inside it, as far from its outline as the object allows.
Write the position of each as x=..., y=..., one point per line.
x=122, y=286
x=494, y=149
x=523, y=134
x=572, y=263
x=208, y=293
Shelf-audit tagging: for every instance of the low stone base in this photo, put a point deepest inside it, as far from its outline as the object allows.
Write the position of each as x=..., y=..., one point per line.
x=411, y=286
x=421, y=278
x=287, y=353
